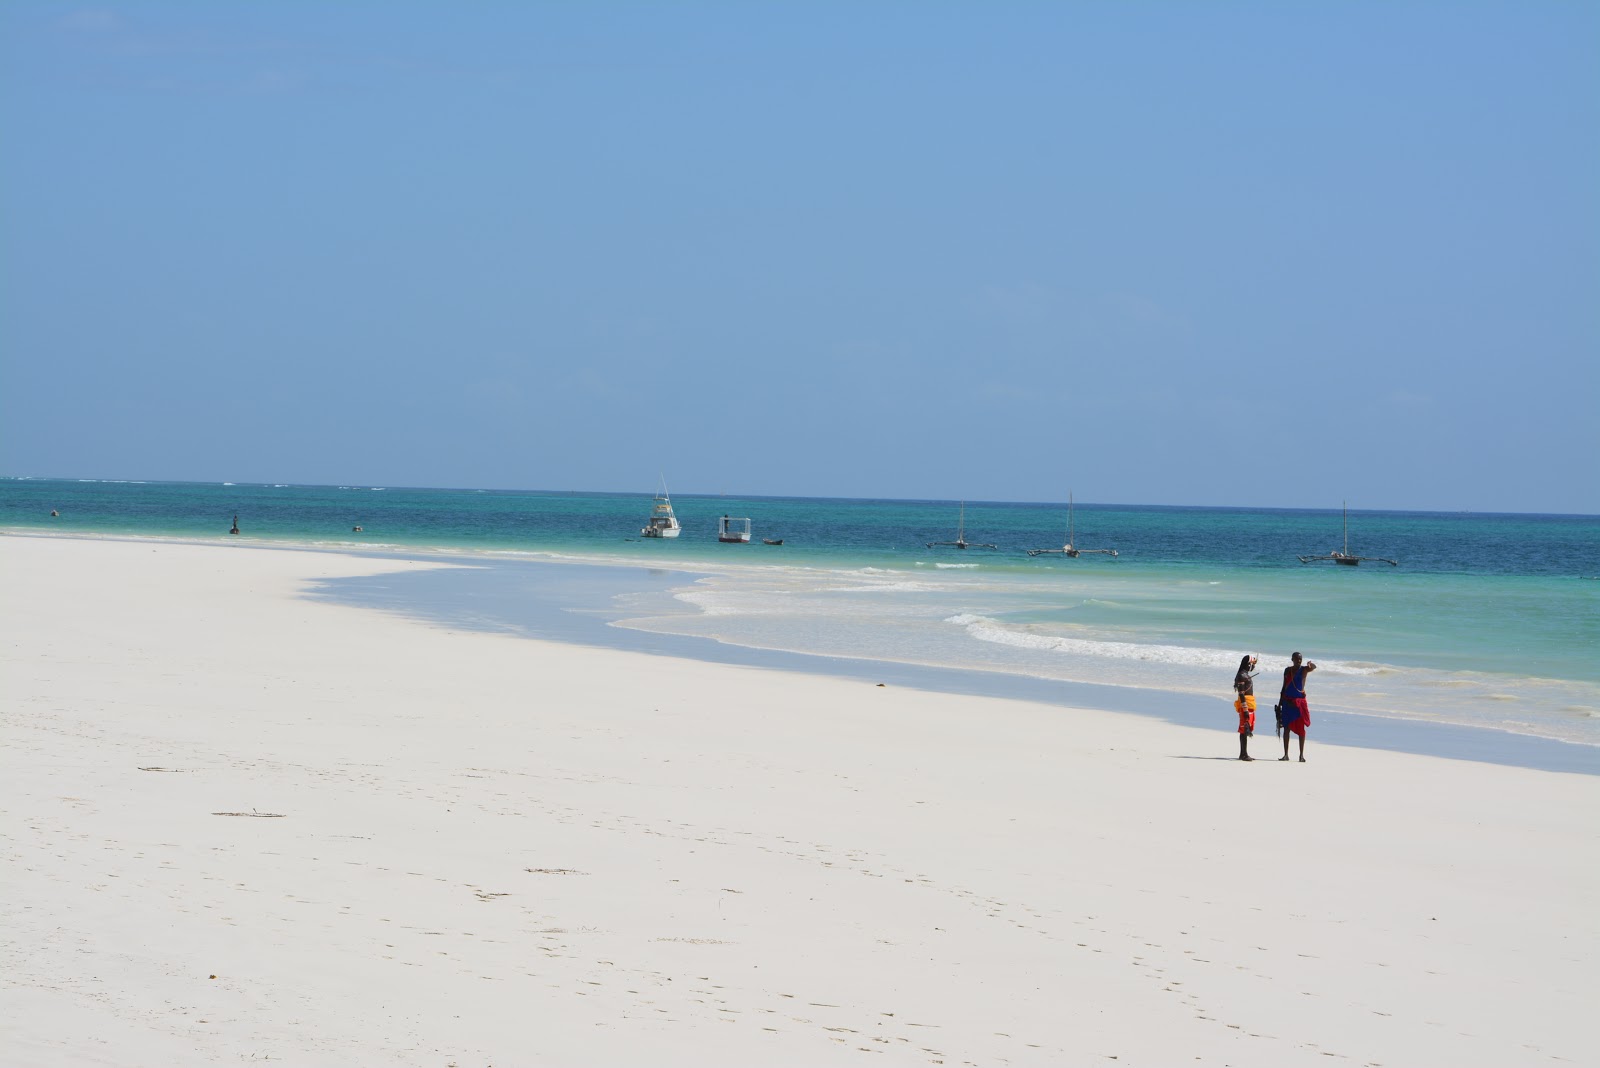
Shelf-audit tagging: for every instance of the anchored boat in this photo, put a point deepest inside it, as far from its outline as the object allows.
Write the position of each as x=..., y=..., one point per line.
x=731, y=531
x=1069, y=549
x=1344, y=556
x=961, y=541
x=662, y=523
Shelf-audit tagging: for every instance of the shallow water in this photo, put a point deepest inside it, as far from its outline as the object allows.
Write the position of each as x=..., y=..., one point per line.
x=580, y=603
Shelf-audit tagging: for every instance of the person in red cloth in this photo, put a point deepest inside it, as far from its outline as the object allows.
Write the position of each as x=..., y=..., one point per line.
x=1292, y=703
x=1244, y=703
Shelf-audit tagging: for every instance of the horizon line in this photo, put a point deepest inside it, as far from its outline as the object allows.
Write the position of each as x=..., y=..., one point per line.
x=773, y=496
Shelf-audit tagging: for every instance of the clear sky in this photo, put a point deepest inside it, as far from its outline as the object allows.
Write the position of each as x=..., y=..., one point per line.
x=1275, y=254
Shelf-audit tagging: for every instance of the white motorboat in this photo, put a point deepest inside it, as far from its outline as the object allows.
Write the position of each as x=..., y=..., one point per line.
x=662, y=523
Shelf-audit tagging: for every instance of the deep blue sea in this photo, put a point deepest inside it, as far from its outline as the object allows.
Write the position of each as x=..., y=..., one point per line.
x=1487, y=621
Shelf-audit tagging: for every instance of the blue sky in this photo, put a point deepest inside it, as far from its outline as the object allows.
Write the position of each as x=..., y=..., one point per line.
x=1276, y=254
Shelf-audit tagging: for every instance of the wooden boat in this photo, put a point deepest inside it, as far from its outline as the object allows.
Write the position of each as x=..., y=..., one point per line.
x=961, y=541
x=1069, y=549
x=1344, y=556
x=771, y=541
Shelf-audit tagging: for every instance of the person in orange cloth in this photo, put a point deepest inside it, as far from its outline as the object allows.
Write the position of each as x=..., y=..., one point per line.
x=1244, y=703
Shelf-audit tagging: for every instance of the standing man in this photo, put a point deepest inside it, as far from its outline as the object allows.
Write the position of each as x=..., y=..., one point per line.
x=1245, y=703
x=1292, y=699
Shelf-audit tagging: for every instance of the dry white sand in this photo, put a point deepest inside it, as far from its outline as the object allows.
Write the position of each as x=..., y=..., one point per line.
x=242, y=826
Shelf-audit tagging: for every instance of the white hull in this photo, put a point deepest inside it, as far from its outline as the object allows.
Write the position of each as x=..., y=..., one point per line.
x=662, y=523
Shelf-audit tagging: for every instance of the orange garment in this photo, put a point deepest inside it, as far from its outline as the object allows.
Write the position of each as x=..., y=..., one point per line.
x=1246, y=707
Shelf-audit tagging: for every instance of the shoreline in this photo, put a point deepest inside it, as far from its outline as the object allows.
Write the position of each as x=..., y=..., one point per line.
x=252, y=824
x=566, y=617
x=573, y=615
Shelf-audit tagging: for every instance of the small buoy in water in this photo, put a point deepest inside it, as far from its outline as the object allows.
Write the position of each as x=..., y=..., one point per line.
x=355, y=530
x=54, y=514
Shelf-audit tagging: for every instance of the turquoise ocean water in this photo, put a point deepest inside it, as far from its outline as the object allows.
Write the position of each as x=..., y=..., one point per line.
x=1488, y=621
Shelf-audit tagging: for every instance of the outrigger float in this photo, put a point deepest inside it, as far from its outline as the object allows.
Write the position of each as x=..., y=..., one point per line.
x=1344, y=556
x=961, y=541
x=1069, y=549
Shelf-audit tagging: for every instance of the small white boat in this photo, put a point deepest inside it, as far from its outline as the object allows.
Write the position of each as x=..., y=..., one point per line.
x=662, y=523
x=730, y=529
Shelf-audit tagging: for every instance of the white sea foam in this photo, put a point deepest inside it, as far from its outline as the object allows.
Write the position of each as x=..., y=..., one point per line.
x=991, y=630
x=718, y=604
x=957, y=567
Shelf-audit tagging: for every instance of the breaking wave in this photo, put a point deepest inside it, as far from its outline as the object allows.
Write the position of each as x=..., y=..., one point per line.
x=991, y=630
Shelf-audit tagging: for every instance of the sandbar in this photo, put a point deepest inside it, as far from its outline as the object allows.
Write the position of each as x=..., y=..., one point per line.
x=242, y=825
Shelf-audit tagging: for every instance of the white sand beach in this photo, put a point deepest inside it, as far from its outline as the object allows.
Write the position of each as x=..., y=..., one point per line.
x=242, y=826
